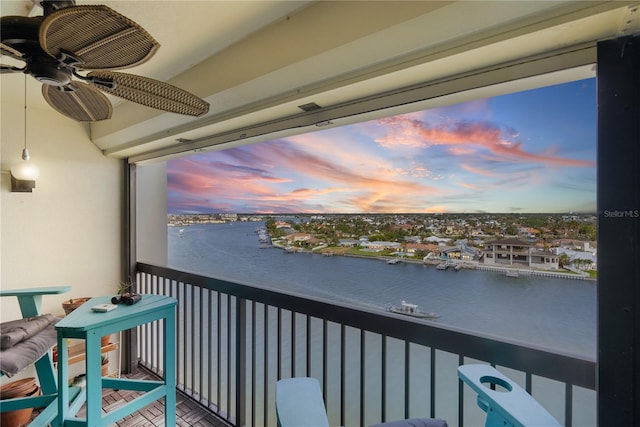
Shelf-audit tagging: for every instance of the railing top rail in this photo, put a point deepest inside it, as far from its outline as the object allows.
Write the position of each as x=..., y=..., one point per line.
x=572, y=369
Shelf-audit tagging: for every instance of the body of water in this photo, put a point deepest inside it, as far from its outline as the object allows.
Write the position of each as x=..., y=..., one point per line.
x=555, y=313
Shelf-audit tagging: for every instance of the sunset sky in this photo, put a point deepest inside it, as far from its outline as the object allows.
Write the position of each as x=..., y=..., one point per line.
x=531, y=151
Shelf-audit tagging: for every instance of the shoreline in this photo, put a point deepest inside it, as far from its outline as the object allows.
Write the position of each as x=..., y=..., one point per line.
x=469, y=265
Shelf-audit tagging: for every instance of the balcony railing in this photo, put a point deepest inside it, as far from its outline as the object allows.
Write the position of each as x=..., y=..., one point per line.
x=236, y=340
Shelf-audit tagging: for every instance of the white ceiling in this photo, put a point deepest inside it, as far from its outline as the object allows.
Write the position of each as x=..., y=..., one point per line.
x=255, y=62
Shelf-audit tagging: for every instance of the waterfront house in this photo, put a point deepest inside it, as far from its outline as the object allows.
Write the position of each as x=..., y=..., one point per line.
x=518, y=253
x=578, y=245
x=380, y=245
x=350, y=243
x=469, y=253
x=270, y=69
x=583, y=260
x=450, y=252
x=412, y=248
x=298, y=237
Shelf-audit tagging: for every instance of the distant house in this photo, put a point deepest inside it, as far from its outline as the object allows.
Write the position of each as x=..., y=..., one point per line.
x=298, y=237
x=379, y=245
x=404, y=227
x=468, y=253
x=436, y=239
x=349, y=243
x=450, y=252
x=454, y=229
x=412, y=248
x=514, y=252
x=229, y=216
x=528, y=232
x=477, y=233
x=581, y=259
x=432, y=228
x=577, y=245
x=412, y=239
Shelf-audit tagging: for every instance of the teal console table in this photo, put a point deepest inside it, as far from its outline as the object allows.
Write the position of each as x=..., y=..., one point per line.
x=83, y=323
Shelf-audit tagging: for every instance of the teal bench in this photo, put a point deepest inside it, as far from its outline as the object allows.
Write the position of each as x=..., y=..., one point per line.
x=29, y=301
x=299, y=403
x=509, y=404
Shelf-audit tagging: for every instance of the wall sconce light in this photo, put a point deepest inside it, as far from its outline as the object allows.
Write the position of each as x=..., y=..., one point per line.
x=25, y=173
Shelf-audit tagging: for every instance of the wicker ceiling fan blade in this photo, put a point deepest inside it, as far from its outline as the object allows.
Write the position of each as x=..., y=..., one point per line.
x=98, y=36
x=5, y=69
x=78, y=101
x=9, y=51
x=151, y=93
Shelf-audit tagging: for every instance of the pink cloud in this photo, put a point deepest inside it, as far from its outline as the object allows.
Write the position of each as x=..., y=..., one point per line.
x=462, y=151
x=464, y=135
x=233, y=176
x=477, y=171
x=470, y=186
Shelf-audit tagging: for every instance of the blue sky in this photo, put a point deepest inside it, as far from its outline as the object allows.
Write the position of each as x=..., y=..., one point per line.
x=532, y=151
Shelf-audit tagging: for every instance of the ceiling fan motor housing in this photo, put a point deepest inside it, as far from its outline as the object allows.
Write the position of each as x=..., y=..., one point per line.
x=21, y=34
x=49, y=6
x=48, y=73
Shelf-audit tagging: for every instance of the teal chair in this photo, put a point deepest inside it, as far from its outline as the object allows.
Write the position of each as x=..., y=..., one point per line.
x=504, y=401
x=299, y=403
x=33, y=350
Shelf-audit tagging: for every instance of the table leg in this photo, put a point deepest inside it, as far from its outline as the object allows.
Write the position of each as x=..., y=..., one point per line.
x=170, y=368
x=63, y=375
x=94, y=379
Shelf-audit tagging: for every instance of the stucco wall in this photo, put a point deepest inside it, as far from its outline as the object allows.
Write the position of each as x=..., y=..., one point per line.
x=68, y=231
x=151, y=213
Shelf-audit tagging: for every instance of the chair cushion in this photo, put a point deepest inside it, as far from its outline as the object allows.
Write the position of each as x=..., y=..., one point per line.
x=15, y=331
x=27, y=352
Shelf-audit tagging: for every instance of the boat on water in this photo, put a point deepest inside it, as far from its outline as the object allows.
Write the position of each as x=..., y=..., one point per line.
x=410, y=310
x=393, y=261
x=442, y=266
x=512, y=274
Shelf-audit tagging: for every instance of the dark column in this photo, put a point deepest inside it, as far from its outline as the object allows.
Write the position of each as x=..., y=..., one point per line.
x=618, y=380
x=130, y=337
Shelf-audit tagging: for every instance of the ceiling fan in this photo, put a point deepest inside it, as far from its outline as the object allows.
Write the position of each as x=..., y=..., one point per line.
x=69, y=39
